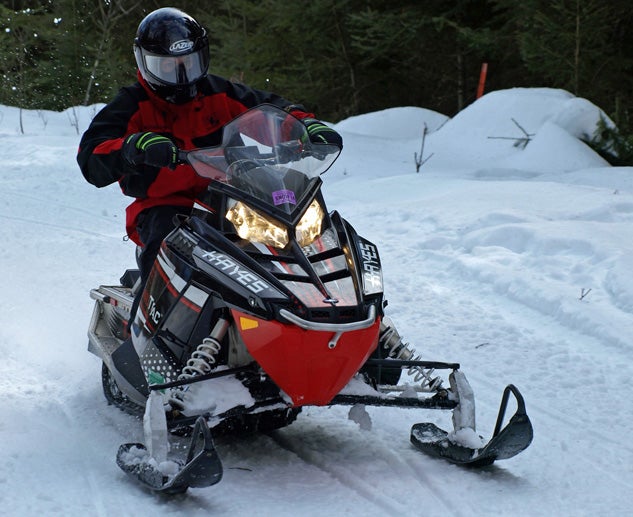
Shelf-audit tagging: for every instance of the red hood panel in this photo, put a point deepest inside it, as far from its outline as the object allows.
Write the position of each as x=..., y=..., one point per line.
x=300, y=361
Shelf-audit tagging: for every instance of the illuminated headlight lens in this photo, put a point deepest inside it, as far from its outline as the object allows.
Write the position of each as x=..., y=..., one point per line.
x=253, y=226
x=309, y=227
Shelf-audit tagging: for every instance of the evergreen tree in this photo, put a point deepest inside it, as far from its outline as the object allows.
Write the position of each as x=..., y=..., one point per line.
x=25, y=51
x=337, y=57
x=107, y=61
x=582, y=46
x=295, y=49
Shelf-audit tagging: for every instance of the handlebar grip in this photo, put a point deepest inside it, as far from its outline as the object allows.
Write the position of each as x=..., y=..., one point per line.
x=182, y=156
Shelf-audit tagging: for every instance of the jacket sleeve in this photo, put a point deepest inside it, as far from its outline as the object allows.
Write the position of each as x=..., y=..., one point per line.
x=99, y=156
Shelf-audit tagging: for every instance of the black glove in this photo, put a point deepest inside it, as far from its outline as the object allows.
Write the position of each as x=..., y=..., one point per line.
x=319, y=133
x=150, y=149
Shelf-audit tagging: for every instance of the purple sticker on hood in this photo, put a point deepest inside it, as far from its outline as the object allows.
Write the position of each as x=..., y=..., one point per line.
x=284, y=196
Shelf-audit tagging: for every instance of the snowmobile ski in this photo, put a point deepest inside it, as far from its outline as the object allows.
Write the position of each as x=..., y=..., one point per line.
x=515, y=437
x=202, y=468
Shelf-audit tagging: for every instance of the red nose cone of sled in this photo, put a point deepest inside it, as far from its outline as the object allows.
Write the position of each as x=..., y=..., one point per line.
x=309, y=366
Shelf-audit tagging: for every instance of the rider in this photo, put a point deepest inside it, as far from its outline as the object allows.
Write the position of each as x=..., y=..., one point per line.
x=175, y=104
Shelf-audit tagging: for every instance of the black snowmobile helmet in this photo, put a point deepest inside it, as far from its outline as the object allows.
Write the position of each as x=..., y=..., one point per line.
x=172, y=53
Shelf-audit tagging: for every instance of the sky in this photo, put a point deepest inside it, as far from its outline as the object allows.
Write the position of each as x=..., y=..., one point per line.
x=509, y=251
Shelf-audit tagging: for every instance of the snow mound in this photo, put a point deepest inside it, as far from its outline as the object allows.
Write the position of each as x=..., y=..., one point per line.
x=404, y=122
x=523, y=126
x=579, y=117
x=540, y=153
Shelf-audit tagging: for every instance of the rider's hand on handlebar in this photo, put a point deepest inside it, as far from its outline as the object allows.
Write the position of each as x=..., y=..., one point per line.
x=319, y=133
x=290, y=151
x=150, y=149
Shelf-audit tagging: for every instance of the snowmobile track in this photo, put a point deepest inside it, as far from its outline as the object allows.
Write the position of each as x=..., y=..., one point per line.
x=414, y=464
x=89, y=469
x=342, y=475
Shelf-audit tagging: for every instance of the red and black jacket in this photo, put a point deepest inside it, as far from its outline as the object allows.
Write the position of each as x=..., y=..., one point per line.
x=197, y=123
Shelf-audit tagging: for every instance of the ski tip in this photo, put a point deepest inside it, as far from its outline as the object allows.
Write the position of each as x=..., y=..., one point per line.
x=134, y=459
x=202, y=467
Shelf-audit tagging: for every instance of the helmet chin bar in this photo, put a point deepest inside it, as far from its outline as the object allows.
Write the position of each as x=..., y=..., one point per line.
x=175, y=94
x=180, y=94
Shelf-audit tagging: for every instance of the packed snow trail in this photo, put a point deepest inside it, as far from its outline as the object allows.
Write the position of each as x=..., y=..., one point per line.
x=486, y=253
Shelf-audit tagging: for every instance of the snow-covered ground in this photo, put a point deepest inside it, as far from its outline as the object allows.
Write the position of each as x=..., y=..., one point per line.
x=515, y=262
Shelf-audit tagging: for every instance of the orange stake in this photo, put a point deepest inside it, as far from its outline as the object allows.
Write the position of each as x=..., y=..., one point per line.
x=482, y=79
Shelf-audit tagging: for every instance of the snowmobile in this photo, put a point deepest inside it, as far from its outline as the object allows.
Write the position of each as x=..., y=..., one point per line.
x=262, y=302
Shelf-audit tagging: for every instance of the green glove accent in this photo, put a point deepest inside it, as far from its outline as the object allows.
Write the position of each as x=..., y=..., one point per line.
x=150, y=149
x=319, y=133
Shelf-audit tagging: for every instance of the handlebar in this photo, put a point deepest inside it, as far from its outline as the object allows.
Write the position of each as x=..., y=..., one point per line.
x=283, y=152
x=182, y=156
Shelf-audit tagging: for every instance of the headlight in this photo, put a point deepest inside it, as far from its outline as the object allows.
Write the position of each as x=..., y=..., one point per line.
x=309, y=227
x=253, y=226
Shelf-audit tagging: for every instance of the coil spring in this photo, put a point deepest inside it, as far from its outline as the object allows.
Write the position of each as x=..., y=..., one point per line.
x=202, y=359
x=398, y=349
x=201, y=362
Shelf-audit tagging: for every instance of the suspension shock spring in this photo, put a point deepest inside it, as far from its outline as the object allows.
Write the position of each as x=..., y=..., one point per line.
x=399, y=349
x=202, y=360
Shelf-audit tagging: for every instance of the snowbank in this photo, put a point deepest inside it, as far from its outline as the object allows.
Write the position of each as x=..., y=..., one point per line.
x=394, y=123
x=502, y=124
x=71, y=121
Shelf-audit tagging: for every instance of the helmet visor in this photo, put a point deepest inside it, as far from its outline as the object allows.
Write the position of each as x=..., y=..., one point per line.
x=176, y=70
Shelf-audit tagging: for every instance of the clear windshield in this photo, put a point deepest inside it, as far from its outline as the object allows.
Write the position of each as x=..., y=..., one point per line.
x=266, y=153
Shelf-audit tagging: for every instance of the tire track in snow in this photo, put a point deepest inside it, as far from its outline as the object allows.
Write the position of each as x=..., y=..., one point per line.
x=57, y=226
x=88, y=469
x=342, y=475
x=577, y=377
x=569, y=421
x=599, y=441
x=523, y=319
x=54, y=427
x=422, y=477
x=47, y=202
x=271, y=453
x=554, y=327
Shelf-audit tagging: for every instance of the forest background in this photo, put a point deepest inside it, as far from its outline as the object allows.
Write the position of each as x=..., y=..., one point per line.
x=337, y=57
